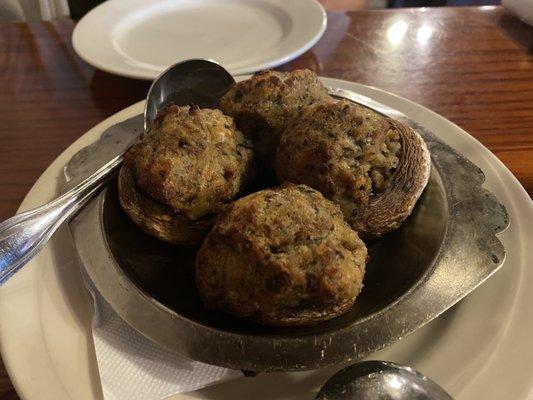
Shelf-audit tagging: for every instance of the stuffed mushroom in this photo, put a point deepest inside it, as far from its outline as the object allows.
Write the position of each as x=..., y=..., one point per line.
x=373, y=167
x=264, y=105
x=185, y=170
x=282, y=256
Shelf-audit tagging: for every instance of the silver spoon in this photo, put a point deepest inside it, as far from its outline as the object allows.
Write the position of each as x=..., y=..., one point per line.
x=380, y=380
x=199, y=82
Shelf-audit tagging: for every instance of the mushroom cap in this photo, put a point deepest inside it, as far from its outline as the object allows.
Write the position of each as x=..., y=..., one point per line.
x=282, y=256
x=158, y=219
x=374, y=168
x=387, y=210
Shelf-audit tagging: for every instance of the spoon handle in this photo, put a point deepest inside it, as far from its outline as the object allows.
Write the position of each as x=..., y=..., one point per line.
x=23, y=235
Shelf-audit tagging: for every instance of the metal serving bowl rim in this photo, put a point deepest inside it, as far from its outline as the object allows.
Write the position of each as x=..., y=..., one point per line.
x=468, y=229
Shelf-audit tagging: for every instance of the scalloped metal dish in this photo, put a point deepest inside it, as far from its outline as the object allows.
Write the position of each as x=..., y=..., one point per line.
x=442, y=252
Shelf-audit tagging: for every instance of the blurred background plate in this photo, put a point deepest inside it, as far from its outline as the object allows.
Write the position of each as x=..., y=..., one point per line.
x=141, y=38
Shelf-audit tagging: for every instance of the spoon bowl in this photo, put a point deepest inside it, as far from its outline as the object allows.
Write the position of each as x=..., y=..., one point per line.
x=198, y=82
x=380, y=380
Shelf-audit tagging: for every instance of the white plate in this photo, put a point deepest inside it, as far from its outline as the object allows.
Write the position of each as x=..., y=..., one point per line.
x=141, y=38
x=480, y=349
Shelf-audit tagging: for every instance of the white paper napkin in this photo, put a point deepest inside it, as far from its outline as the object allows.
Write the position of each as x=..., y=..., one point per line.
x=133, y=367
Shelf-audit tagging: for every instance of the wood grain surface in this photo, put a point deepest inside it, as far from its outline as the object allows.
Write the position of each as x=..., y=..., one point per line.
x=474, y=66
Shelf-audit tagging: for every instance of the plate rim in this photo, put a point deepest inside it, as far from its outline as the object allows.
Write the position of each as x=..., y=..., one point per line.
x=9, y=353
x=145, y=74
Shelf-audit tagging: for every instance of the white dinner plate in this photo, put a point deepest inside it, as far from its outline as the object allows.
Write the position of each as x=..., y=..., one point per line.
x=480, y=349
x=141, y=38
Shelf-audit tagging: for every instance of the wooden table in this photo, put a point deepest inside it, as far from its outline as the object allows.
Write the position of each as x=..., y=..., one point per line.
x=472, y=65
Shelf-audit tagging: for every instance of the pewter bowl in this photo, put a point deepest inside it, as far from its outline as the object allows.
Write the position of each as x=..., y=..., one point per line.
x=445, y=249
